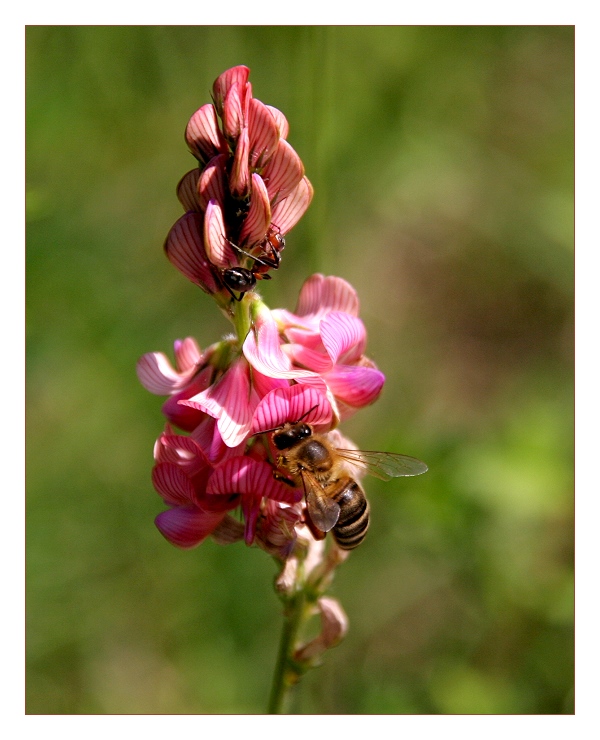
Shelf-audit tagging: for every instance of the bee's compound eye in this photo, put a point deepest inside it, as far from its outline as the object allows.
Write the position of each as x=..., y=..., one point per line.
x=239, y=278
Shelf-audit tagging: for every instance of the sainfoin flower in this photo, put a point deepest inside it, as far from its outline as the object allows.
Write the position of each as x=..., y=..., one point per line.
x=218, y=463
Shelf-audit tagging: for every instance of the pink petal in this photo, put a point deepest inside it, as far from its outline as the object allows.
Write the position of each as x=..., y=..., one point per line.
x=187, y=354
x=251, y=511
x=247, y=476
x=207, y=435
x=218, y=249
x=344, y=336
x=187, y=190
x=283, y=171
x=182, y=416
x=262, y=349
x=319, y=295
x=287, y=212
x=234, y=107
x=281, y=121
x=211, y=185
x=185, y=249
x=239, y=178
x=263, y=384
x=203, y=135
x=187, y=526
x=259, y=215
x=172, y=484
x=231, y=401
x=291, y=404
x=311, y=359
x=355, y=385
x=263, y=131
x=157, y=375
x=236, y=75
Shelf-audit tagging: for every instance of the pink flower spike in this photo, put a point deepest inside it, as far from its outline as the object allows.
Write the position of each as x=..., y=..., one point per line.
x=239, y=179
x=187, y=526
x=211, y=185
x=263, y=131
x=283, y=171
x=236, y=75
x=185, y=249
x=218, y=249
x=281, y=121
x=231, y=401
x=290, y=405
x=173, y=484
x=187, y=190
x=287, y=212
x=203, y=135
x=259, y=216
x=247, y=476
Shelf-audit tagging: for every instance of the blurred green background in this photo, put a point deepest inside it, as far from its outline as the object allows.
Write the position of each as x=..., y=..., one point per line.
x=442, y=160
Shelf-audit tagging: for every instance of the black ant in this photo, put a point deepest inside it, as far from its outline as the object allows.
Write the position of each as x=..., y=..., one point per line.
x=241, y=279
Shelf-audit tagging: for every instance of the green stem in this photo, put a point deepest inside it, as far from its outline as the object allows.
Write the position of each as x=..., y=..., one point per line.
x=286, y=674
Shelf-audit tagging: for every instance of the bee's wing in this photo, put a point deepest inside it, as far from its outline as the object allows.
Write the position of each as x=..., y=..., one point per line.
x=323, y=510
x=384, y=465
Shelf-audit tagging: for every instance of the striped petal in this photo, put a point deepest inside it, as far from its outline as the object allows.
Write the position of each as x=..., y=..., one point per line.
x=187, y=353
x=211, y=185
x=172, y=484
x=187, y=526
x=221, y=86
x=355, y=385
x=283, y=171
x=281, y=121
x=187, y=190
x=319, y=295
x=287, y=212
x=291, y=404
x=158, y=376
x=344, y=337
x=263, y=131
x=184, y=247
x=239, y=178
x=218, y=249
x=203, y=135
x=231, y=401
x=258, y=219
x=247, y=476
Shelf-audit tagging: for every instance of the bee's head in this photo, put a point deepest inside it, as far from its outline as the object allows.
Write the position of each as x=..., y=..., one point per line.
x=290, y=435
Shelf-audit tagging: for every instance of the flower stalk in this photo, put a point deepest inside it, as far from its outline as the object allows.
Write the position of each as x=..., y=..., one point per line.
x=218, y=466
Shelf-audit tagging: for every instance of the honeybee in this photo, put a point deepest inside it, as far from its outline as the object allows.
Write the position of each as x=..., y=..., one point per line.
x=334, y=500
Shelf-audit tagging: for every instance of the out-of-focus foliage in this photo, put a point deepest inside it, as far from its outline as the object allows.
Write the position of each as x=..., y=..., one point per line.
x=442, y=160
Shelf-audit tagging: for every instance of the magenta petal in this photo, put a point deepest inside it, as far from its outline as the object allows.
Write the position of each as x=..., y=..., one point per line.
x=211, y=185
x=315, y=360
x=344, y=336
x=263, y=351
x=184, y=247
x=218, y=249
x=247, y=476
x=158, y=376
x=283, y=171
x=236, y=75
x=264, y=133
x=203, y=135
x=187, y=526
x=187, y=353
x=187, y=190
x=250, y=510
x=239, y=178
x=172, y=484
x=355, y=385
x=258, y=219
x=281, y=121
x=231, y=401
x=207, y=435
x=287, y=212
x=320, y=295
x=234, y=108
x=291, y=404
